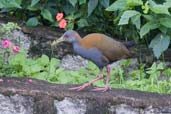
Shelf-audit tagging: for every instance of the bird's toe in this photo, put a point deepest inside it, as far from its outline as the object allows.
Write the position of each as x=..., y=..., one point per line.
x=102, y=89
x=79, y=88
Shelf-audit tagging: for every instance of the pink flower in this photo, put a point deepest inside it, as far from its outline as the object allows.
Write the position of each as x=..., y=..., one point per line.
x=59, y=16
x=62, y=23
x=6, y=44
x=15, y=49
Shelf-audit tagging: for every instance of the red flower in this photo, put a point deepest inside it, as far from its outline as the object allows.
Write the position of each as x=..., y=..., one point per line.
x=59, y=16
x=16, y=49
x=62, y=23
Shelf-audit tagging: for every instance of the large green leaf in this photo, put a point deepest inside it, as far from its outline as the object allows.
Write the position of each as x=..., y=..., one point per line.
x=158, y=8
x=91, y=6
x=165, y=22
x=34, y=2
x=147, y=27
x=73, y=2
x=126, y=16
x=47, y=15
x=159, y=44
x=32, y=22
x=117, y=5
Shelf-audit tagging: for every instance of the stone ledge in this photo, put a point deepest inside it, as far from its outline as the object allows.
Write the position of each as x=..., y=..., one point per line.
x=56, y=99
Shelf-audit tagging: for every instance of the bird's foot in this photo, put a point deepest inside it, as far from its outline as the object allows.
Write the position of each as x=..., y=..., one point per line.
x=102, y=89
x=79, y=88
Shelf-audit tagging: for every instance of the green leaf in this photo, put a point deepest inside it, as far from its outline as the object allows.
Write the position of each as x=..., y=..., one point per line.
x=167, y=3
x=35, y=68
x=73, y=2
x=133, y=3
x=32, y=22
x=117, y=5
x=147, y=27
x=159, y=44
x=136, y=21
x=82, y=2
x=126, y=16
x=34, y=2
x=59, y=70
x=82, y=23
x=70, y=26
x=47, y=15
x=10, y=3
x=41, y=75
x=53, y=64
x=145, y=7
x=165, y=22
x=91, y=6
x=1, y=5
x=104, y=3
x=158, y=8
x=149, y=17
x=163, y=29
x=54, y=61
x=43, y=60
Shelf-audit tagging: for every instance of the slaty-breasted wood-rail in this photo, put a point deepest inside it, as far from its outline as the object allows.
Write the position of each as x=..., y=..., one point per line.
x=98, y=48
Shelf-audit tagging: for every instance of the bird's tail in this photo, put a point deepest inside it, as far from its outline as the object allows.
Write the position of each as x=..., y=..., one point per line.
x=129, y=44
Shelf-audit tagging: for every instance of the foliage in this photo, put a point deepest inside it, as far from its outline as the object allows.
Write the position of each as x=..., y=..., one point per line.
x=147, y=15
x=7, y=28
x=154, y=79
x=79, y=13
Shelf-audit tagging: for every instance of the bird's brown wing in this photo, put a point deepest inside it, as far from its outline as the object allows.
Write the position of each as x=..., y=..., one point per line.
x=113, y=50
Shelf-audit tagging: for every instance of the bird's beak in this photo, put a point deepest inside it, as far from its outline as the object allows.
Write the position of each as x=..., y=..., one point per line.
x=61, y=39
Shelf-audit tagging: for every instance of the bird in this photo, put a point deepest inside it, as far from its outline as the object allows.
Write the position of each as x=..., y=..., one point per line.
x=99, y=48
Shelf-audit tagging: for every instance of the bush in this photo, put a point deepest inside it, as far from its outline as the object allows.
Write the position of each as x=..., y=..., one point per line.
x=149, y=17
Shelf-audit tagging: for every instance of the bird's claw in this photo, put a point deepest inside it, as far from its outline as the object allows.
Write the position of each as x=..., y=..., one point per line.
x=79, y=88
x=103, y=89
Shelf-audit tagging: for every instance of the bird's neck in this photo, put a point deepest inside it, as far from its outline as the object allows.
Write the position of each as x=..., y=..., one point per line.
x=77, y=40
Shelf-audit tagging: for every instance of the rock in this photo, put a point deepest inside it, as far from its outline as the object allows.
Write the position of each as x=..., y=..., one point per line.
x=124, y=109
x=157, y=110
x=18, y=96
x=70, y=62
x=70, y=106
x=16, y=104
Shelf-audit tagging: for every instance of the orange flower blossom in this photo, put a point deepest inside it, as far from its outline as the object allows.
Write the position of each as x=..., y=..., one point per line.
x=59, y=16
x=62, y=23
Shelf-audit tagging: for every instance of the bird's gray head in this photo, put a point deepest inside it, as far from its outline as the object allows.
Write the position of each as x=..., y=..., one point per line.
x=70, y=36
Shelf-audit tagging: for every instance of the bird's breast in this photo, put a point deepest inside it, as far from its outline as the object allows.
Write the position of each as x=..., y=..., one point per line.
x=92, y=54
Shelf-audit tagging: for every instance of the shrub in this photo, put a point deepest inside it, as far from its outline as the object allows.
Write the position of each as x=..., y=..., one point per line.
x=149, y=17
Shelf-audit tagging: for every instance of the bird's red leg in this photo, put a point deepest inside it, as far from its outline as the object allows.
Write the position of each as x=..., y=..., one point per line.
x=107, y=87
x=79, y=88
